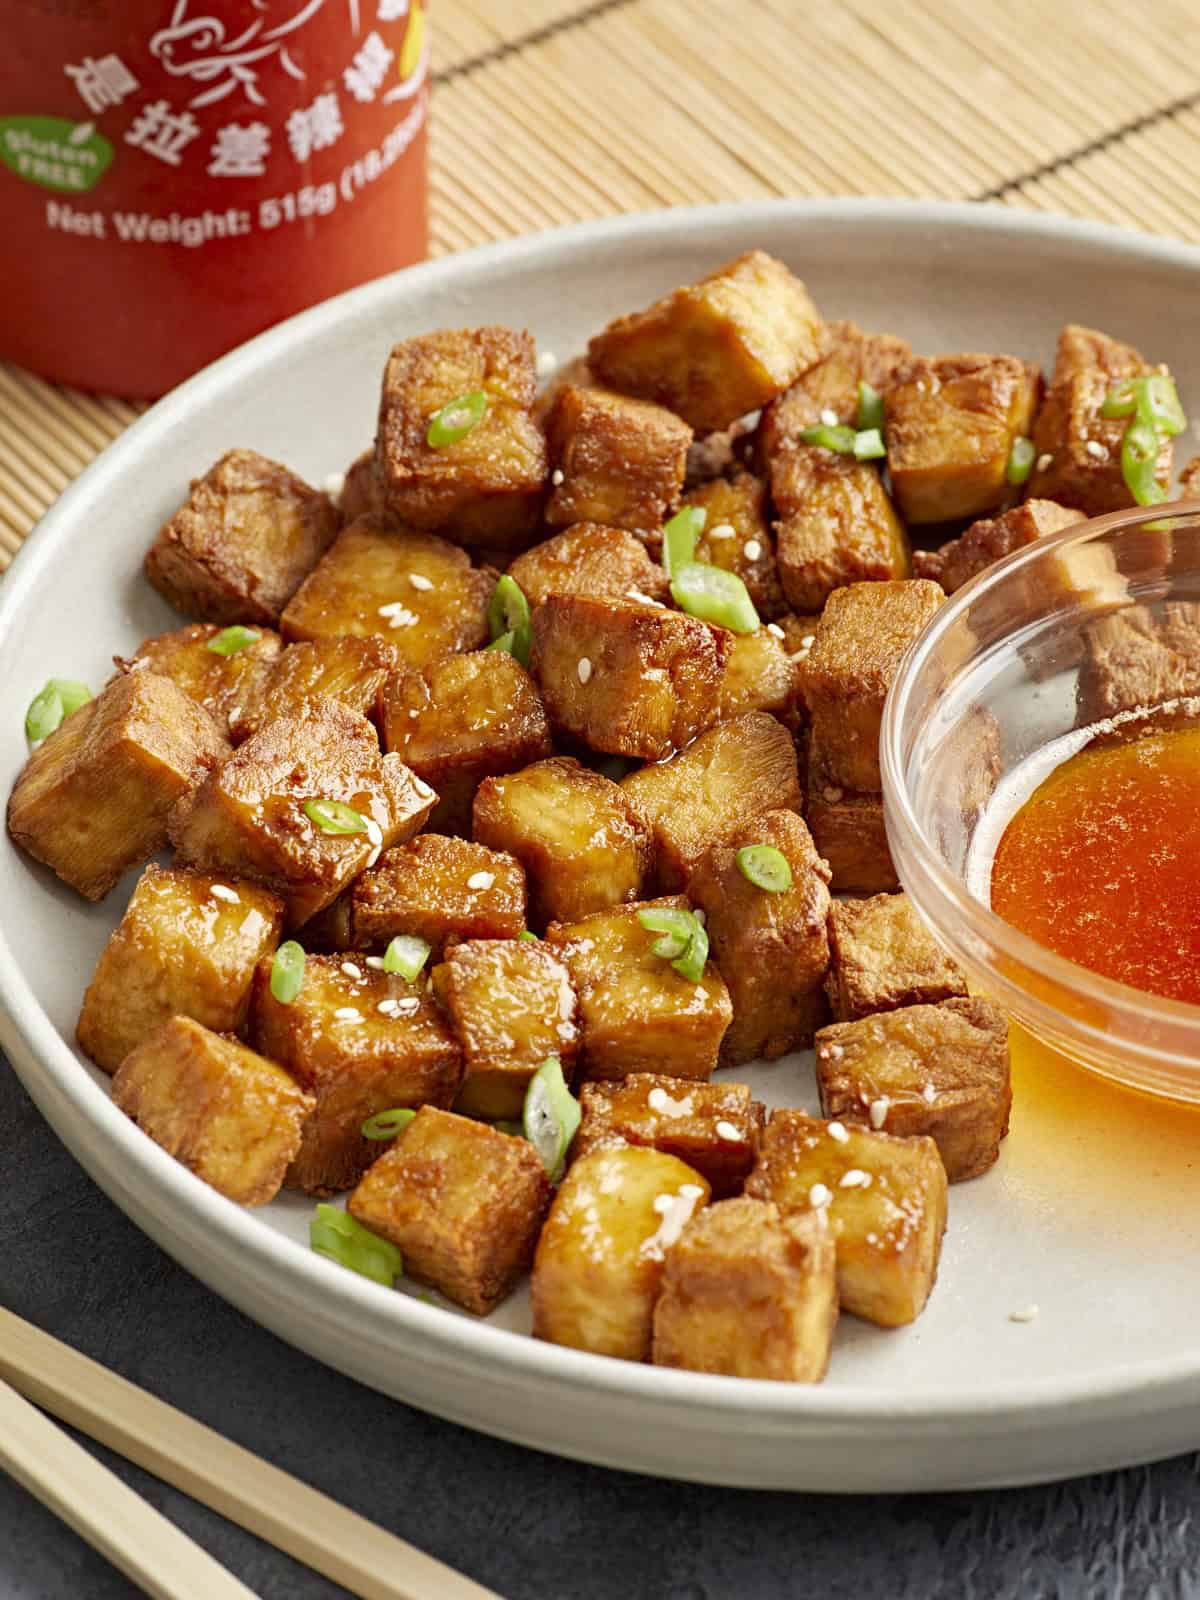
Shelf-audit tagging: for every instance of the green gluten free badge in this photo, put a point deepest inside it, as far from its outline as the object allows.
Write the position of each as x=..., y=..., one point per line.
x=68, y=157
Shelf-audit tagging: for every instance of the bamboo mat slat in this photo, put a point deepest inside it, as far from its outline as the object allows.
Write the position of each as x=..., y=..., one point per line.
x=551, y=111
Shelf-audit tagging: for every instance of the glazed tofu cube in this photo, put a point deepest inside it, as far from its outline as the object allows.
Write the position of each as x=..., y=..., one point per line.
x=484, y=487
x=837, y=526
x=1138, y=658
x=772, y=948
x=243, y=542
x=601, y=563
x=615, y=461
x=884, y=957
x=230, y=1116
x=511, y=1004
x=759, y=675
x=718, y=348
x=749, y=1293
x=991, y=539
x=599, y=1261
x=463, y=719
x=583, y=846
x=220, y=683
x=714, y=1127
x=638, y=1014
x=704, y=794
x=93, y=799
x=884, y=1198
x=463, y=1203
x=951, y=422
x=848, y=830
x=439, y=889
x=420, y=593
x=351, y=670
x=736, y=537
x=249, y=818
x=187, y=946
x=625, y=678
x=829, y=390
x=360, y=1041
x=864, y=632
x=940, y=1071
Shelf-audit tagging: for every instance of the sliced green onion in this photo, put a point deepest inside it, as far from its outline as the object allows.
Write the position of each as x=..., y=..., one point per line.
x=1139, y=462
x=684, y=942
x=335, y=1234
x=690, y=964
x=869, y=445
x=52, y=705
x=71, y=692
x=1160, y=404
x=406, y=955
x=765, y=867
x=714, y=595
x=387, y=1124
x=870, y=407
x=456, y=419
x=1121, y=401
x=551, y=1116
x=680, y=536
x=287, y=972
x=508, y=619
x=506, y=642
x=836, y=437
x=331, y=816
x=525, y=934
x=515, y=1130
x=1021, y=457
x=231, y=640
x=669, y=920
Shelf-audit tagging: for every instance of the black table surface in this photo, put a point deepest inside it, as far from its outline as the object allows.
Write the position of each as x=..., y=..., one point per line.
x=528, y=1525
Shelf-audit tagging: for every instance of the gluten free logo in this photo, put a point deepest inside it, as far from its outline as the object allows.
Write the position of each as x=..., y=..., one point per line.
x=55, y=153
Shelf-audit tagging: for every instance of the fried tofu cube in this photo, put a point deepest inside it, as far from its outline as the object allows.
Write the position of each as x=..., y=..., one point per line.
x=351, y=670
x=598, y=562
x=463, y=1203
x=439, y=889
x=93, y=799
x=187, y=946
x=615, y=461
x=249, y=818
x=243, y=542
x=574, y=373
x=714, y=1127
x=599, y=1261
x=885, y=1200
x=511, y=1003
x=230, y=1116
x=420, y=593
x=360, y=1041
x=1138, y=658
x=991, y=539
x=701, y=796
x=940, y=1071
x=831, y=386
x=638, y=1014
x=463, y=719
x=837, y=526
x=772, y=948
x=625, y=678
x=736, y=537
x=759, y=675
x=848, y=830
x=884, y=957
x=749, y=1293
x=484, y=487
x=951, y=422
x=220, y=683
x=864, y=632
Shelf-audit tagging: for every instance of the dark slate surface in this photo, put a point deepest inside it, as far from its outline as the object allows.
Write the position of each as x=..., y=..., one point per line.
x=530, y=1526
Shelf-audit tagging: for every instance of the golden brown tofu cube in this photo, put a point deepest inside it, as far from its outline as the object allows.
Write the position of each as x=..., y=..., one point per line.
x=1138, y=658
x=759, y=675
x=350, y=670
x=626, y=678
x=512, y=1005
x=463, y=719
x=772, y=948
x=864, y=632
x=582, y=844
x=848, y=830
x=486, y=486
x=614, y=460
x=420, y=593
x=991, y=539
x=439, y=889
x=93, y=799
x=360, y=1041
x=187, y=946
x=638, y=1014
x=230, y=1116
x=736, y=537
x=602, y=563
x=951, y=422
x=884, y=1197
x=718, y=348
x=838, y=526
x=462, y=1202
x=884, y=957
x=249, y=818
x=220, y=683
x=599, y=1260
x=714, y=1127
x=749, y=1293
x=831, y=386
x=241, y=545
x=935, y=1070
x=706, y=792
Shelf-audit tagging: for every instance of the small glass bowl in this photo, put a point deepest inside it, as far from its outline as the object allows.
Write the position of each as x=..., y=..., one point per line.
x=1028, y=653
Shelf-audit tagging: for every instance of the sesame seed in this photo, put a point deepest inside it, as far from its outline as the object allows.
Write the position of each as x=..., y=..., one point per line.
x=855, y=1178
x=659, y=1100
x=838, y=1133
x=929, y=1094
x=375, y=963
x=556, y=477
x=643, y=599
x=387, y=1007
x=334, y=484
x=799, y=655
x=829, y=417
x=375, y=835
x=700, y=915
x=1025, y=1314
x=723, y=530
x=819, y=1196
x=726, y=1130
x=398, y=615
x=221, y=891
x=833, y=1052
x=1044, y=463
x=351, y=970
x=773, y=627
x=832, y=795
x=347, y=1014
x=879, y=1111
x=1095, y=448
x=234, y=714
x=420, y=581
x=547, y=362
x=583, y=669
x=481, y=880
x=752, y=549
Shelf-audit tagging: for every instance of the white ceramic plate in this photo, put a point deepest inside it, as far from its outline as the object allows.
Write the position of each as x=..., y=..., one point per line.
x=1097, y=1224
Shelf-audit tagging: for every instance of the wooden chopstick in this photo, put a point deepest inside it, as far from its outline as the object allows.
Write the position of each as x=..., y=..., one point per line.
x=272, y=1504
x=109, y=1515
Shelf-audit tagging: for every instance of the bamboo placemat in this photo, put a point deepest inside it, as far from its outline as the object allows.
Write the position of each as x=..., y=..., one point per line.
x=550, y=111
